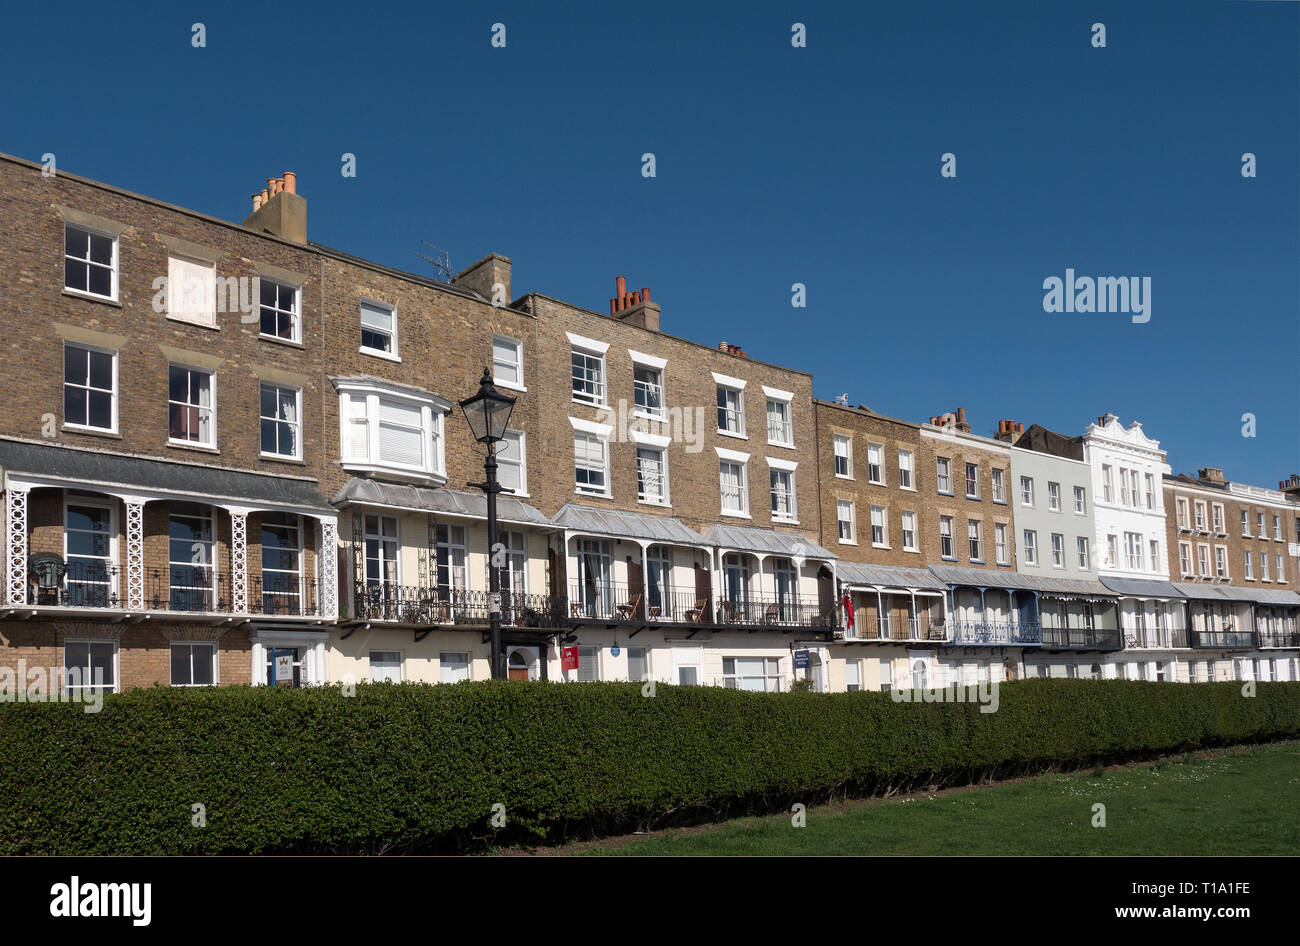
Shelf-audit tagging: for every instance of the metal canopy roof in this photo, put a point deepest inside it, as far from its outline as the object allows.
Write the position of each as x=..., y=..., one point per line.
x=449, y=502
x=888, y=576
x=632, y=525
x=1232, y=593
x=90, y=468
x=1141, y=587
x=1269, y=596
x=767, y=541
x=1204, y=592
x=983, y=577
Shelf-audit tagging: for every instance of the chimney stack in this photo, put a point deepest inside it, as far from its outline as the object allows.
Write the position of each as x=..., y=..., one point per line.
x=635, y=307
x=489, y=277
x=1292, y=486
x=1009, y=430
x=1211, y=474
x=279, y=210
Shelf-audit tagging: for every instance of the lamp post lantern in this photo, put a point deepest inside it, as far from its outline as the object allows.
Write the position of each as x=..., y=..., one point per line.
x=488, y=415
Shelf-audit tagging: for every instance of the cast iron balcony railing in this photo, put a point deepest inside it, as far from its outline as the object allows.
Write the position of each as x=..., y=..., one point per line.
x=910, y=629
x=982, y=632
x=1225, y=640
x=776, y=611
x=419, y=605
x=188, y=589
x=1152, y=639
x=617, y=601
x=1279, y=638
x=1083, y=638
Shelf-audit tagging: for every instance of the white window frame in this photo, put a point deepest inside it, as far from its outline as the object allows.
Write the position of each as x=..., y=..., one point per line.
x=998, y=482
x=786, y=399
x=521, y=461
x=1030, y=549
x=86, y=683
x=1250, y=566
x=1081, y=548
x=401, y=664
x=296, y=311
x=736, y=413
x=741, y=461
x=297, y=425
x=851, y=521
x=1080, y=501
x=777, y=469
x=952, y=548
x=211, y=646
x=211, y=442
x=1186, y=566
x=1053, y=496
x=909, y=534
x=882, y=525
x=600, y=433
x=1058, y=550
x=1221, y=562
x=392, y=354
x=518, y=346
x=942, y=475
x=975, y=539
x=966, y=479
x=113, y=394
x=1027, y=491
x=86, y=293
x=907, y=471
x=433, y=410
x=876, y=470
x=1000, y=546
x=662, y=450
x=847, y=441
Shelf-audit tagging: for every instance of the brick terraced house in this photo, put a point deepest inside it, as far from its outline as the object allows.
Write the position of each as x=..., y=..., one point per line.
x=232, y=455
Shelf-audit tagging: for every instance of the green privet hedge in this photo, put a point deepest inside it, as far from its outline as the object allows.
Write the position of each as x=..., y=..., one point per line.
x=417, y=767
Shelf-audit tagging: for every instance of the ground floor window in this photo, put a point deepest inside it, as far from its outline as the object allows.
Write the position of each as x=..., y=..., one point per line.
x=453, y=667
x=761, y=674
x=852, y=675
x=386, y=666
x=886, y=675
x=588, y=664
x=90, y=665
x=194, y=664
x=638, y=664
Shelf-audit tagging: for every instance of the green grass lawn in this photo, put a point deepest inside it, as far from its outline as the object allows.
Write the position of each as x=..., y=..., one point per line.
x=1241, y=802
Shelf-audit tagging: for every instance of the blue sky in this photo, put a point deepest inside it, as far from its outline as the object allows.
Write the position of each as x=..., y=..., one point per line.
x=774, y=165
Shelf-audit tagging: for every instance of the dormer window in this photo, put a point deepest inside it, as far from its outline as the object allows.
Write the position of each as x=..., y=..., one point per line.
x=392, y=430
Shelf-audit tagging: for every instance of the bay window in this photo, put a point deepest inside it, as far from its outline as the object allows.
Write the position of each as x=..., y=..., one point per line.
x=392, y=430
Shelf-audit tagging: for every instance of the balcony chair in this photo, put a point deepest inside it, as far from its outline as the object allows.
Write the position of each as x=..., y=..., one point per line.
x=45, y=573
x=772, y=614
x=696, y=614
x=627, y=612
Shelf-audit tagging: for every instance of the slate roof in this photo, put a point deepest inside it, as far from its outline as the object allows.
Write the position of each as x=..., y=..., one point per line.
x=89, y=468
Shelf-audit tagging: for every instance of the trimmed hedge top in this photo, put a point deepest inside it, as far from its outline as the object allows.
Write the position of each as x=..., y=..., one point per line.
x=418, y=767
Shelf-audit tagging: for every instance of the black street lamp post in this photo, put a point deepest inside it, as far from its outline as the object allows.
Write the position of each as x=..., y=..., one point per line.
x=488, y=415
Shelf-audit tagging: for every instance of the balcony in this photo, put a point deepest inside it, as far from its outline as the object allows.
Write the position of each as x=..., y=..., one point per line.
x=768, y=611
x=1225, y=640
x=1279, y=638
x=972, y=632
x=613, y=603
x=1082, y=638
x=1171, y=639
x=180, y=589
x=421, y=606
x=913, y=629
